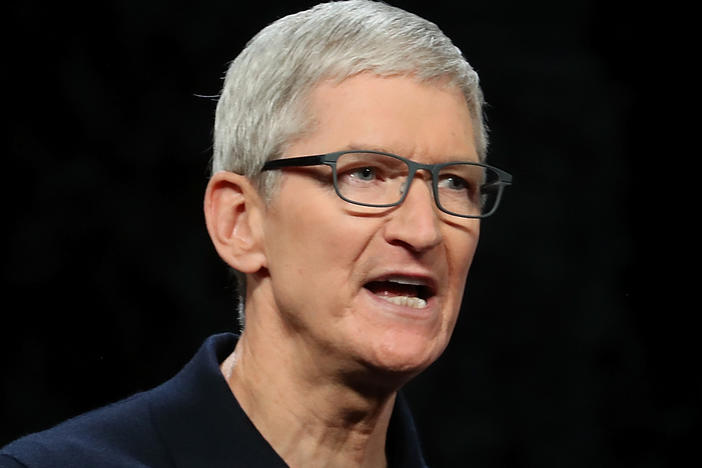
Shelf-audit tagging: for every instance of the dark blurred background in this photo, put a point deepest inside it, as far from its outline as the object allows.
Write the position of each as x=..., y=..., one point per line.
x=574, y=347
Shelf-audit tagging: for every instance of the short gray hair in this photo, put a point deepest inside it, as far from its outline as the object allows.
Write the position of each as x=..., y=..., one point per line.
x=262, y=107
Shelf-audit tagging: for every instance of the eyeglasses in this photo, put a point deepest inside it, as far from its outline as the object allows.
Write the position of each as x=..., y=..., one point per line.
x=376, y=179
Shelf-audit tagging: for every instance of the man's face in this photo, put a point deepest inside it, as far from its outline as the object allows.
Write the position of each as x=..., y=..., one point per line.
x=333, y=265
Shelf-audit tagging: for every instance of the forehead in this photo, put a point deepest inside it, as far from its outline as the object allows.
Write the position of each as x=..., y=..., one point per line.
x=424, y=121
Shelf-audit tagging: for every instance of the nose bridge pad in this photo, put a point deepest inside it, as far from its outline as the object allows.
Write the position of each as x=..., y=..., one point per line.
x=404, y=188
x=418, y=224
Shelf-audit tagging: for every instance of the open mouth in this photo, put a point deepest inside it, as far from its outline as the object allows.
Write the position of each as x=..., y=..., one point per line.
x=403, y=291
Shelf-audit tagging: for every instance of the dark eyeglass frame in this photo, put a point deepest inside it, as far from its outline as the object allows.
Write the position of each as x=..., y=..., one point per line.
x=330, y=159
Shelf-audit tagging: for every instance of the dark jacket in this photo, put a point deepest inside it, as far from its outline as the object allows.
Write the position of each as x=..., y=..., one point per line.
x=192, y=420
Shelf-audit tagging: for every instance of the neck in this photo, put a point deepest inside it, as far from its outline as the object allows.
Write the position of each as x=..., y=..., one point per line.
x=309, y=415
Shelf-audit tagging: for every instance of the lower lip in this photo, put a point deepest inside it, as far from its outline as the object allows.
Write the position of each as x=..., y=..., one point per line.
x=425, y=313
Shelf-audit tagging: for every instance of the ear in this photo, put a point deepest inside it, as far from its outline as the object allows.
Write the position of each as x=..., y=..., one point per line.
x=234, y=215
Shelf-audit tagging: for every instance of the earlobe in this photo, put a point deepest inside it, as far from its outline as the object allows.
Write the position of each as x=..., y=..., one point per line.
x=233, y=213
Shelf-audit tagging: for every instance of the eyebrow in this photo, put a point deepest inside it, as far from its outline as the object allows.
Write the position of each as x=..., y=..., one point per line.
x=363, y=147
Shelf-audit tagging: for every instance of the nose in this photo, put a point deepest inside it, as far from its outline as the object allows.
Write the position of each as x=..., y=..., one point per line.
x=415, y=223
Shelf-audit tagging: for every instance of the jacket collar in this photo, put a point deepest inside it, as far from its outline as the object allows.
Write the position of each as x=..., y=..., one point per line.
x=201, y=422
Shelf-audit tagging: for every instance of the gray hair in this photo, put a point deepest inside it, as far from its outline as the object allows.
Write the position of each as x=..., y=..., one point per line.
x=262, y=105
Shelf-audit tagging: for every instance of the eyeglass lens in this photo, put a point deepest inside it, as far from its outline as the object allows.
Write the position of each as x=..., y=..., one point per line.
x=377, y=179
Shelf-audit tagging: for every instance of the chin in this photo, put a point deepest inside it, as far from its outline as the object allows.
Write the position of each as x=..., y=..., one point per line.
x=405, y=356
x=391, y=360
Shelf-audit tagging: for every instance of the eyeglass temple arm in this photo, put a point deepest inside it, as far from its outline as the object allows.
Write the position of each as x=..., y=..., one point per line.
x=504, y=180
x=294, y=162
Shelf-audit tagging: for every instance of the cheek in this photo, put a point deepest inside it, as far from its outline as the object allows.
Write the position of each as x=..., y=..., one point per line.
x=315, y=242
x=466, y=258
x=464, y=247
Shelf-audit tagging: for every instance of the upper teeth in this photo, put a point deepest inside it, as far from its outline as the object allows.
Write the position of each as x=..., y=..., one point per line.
x=406, y=280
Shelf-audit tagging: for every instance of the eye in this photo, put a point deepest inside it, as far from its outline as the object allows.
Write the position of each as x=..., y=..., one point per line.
x=453, y=182
x=364, y=173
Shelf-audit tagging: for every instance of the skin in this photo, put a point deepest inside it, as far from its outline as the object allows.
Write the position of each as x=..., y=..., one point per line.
x=321, y=359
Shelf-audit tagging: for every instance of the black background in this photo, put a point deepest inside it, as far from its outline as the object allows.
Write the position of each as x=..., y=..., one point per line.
x=574, y=347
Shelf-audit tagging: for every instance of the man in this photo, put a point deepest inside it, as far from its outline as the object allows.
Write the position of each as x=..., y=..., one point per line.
x=347, y=190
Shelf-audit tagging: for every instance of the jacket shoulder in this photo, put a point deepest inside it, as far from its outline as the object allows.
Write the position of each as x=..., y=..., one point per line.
x=120, y=434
